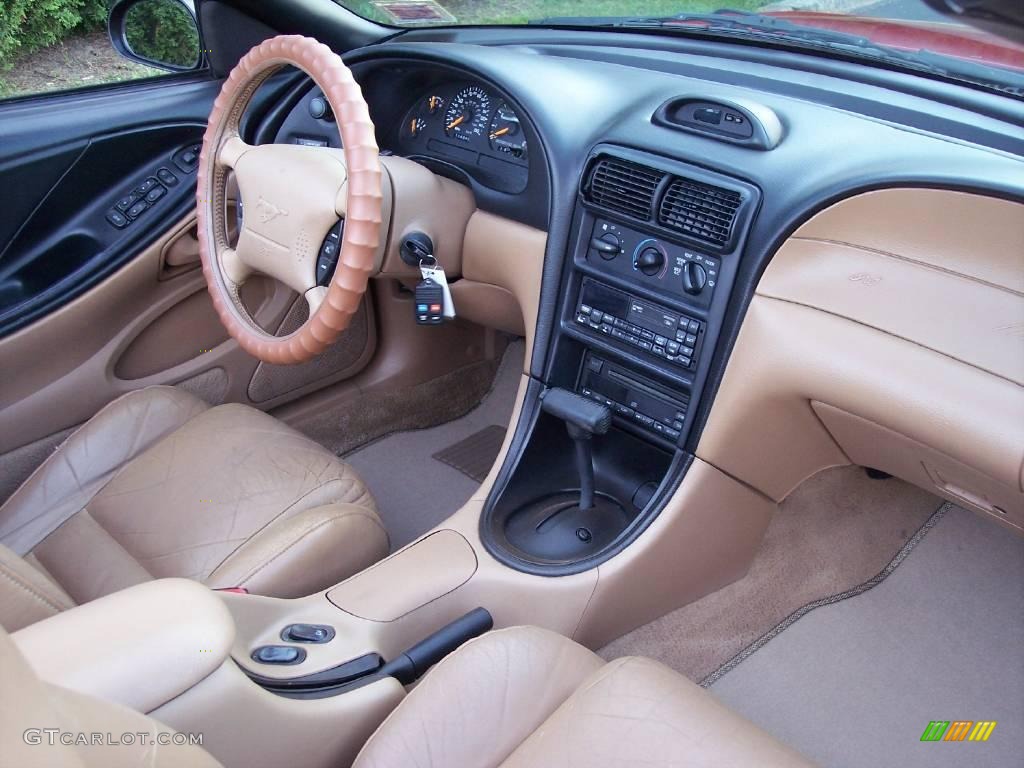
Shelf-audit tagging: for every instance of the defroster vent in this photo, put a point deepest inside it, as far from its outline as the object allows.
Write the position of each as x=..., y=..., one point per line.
x=701, y=211
x=624, y=187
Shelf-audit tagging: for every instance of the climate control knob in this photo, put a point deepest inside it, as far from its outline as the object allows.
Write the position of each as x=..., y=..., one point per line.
x=607, y=245
x=650, y=261
x=695, y=277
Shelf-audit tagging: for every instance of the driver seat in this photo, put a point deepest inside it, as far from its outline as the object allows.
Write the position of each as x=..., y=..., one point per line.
x=160, y=484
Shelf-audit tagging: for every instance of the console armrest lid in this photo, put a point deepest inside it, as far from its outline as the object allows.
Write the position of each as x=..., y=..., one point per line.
x=140, y=647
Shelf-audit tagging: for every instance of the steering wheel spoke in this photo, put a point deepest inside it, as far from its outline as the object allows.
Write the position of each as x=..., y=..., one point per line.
x=315, y=297
x=234, y=268
x=231, y=151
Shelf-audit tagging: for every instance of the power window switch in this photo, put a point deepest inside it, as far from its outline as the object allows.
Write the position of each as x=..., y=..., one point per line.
x=278, y=654
x=167, y=177
x=155, y=194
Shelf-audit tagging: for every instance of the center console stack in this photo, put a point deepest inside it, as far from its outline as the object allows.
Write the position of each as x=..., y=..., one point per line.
x=654, y=250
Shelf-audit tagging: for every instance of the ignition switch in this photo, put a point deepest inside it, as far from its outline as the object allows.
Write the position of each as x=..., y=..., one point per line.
x=415, y=248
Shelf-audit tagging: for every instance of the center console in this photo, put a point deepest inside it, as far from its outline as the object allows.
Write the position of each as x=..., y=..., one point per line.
x=654, y=250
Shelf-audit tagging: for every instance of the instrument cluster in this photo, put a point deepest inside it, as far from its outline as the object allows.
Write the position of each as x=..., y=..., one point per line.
x=472, y=127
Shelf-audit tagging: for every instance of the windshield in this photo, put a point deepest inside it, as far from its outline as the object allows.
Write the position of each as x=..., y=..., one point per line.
x=902, y=33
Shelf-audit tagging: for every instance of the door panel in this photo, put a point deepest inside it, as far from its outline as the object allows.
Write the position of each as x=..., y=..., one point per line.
x=72, y=157
x=90, y=310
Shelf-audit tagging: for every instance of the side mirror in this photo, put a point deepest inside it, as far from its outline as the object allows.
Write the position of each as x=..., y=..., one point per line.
x=159, y=33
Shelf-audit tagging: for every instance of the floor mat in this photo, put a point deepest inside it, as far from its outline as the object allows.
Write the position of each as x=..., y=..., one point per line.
x=348, y=426
x=475, y=455
x=415, y=491
x=856, y=683
x=837, y=530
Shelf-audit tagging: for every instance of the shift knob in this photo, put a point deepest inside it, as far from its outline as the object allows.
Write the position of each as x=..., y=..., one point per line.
x=577, y=411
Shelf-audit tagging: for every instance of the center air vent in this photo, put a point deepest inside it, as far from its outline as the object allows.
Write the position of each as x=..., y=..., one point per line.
x=624, y=187
x=700, y=210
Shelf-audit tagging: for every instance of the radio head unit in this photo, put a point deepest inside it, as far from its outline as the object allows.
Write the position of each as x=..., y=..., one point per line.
x=663, y=333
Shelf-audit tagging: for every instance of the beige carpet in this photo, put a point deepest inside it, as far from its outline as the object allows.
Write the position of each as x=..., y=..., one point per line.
x=415, y=491
x=856, y=683
x=837, y=530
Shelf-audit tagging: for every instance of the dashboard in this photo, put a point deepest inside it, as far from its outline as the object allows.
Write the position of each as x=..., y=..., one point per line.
x=666, y=175
x=708, y=164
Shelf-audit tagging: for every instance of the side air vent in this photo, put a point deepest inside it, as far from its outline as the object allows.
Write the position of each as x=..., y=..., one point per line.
x=700, y=210
x=624, y=187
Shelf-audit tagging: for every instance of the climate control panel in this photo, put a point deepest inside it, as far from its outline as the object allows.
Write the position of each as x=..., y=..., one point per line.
x=656, y=263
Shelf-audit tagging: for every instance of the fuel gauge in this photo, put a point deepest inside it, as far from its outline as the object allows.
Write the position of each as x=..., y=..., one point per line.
x=415, y=126
x=506, y=132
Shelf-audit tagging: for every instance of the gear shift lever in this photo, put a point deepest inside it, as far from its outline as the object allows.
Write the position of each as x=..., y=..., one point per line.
x=583, y=419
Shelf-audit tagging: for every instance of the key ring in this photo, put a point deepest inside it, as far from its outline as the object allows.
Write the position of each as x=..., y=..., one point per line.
x=424, y=265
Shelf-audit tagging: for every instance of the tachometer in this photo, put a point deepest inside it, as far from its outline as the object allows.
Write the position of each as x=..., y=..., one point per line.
x=467, y=114
x=506, y=133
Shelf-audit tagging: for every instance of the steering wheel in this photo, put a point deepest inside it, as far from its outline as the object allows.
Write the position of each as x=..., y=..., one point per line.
x=291, y=197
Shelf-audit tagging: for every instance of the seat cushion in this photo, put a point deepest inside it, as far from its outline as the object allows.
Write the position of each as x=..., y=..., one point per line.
x=528, y=697
x=158, y=484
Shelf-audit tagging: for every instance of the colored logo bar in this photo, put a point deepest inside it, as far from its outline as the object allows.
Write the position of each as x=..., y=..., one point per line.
x=958, y=730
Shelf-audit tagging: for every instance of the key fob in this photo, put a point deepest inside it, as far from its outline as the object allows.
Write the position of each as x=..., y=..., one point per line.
x=429, y=303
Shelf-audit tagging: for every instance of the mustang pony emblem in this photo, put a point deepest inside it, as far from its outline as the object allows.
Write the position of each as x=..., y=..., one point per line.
x=866, y=278
x=269, y=211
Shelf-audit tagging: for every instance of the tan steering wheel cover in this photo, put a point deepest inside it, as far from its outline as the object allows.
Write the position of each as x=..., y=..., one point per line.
x=363, y=214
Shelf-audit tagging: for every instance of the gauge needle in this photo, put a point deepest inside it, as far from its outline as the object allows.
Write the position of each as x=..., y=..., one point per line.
x=502, y=132
x=457, y=121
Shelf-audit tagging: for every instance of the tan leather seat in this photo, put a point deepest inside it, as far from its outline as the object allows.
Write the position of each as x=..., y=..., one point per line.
x=528, y=697
x=517, y=697
x=159, y=484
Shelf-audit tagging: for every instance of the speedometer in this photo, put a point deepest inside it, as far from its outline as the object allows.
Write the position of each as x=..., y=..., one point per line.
x=467, y=114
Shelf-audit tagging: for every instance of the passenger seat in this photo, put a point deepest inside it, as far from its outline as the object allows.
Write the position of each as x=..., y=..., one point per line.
x=529, y=697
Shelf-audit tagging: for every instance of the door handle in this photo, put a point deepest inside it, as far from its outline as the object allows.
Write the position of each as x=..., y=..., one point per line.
x=183, y=250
